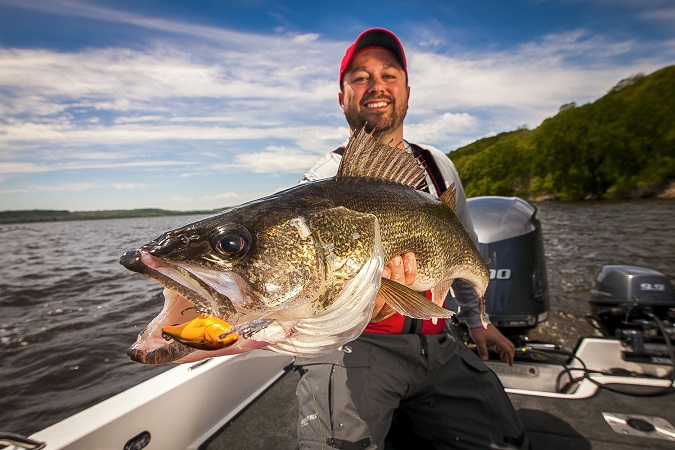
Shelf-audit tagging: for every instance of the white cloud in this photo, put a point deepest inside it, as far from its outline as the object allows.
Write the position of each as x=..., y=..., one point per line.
x=25, y=167
x=212, y=99
x=74, y=187
x=123, y=79
x=154, y=94
x=274, y=161
x=441, y=127
x=525, y=84
x=22, y=167
x=210, y=201
x=236, y=196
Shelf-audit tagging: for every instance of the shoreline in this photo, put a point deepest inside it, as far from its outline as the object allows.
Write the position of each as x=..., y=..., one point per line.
x=667, y=192
x=13, y=217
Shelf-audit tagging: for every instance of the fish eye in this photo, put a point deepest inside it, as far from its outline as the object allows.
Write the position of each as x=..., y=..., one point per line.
x=231, y=243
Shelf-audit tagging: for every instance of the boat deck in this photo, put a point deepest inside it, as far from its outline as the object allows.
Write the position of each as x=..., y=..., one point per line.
x=269, y=422
x=552, y=423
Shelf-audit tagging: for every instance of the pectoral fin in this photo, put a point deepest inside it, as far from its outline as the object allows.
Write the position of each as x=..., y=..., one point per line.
x=438, y=294
x=386, y=312
x=410, y=303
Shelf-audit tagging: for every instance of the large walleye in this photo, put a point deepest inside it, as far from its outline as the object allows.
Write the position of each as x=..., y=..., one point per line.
x=297, y=272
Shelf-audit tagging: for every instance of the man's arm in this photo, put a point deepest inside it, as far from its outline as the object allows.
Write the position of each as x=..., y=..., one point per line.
x=464, y=292
x=326, y=167
x=466, y=296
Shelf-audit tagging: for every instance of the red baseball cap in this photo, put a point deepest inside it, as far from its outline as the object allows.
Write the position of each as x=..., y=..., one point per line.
x=373, y=37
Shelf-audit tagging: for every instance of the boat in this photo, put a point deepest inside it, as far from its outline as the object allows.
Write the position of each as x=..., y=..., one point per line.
x=182, y=408
x=614, y=391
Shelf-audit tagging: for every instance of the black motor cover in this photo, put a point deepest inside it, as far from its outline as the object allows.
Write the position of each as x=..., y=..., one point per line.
x=509, y=235
x=622, y=298
x=631, y=285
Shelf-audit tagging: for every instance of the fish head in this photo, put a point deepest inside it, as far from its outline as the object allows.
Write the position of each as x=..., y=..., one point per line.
x=261, y=267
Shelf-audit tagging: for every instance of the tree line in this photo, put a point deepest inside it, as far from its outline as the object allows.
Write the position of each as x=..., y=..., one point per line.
x=47, y=215
x=620, y=146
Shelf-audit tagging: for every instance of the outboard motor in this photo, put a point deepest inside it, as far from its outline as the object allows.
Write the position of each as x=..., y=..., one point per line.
x=510, y=236
x=635, y=305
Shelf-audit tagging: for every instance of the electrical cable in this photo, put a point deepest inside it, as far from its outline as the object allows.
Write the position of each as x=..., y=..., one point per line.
x=587, y=373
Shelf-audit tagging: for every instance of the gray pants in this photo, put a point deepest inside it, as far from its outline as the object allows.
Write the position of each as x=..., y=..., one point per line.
x=441, y=391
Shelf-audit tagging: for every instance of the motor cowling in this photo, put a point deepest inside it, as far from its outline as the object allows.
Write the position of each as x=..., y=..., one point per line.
x=626, y=300
x=510, y=237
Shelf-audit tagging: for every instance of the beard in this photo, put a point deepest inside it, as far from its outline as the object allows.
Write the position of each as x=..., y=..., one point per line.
x=383, y=122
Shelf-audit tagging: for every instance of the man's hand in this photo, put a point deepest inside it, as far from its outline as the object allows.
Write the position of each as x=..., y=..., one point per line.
x=482, y=337
x=402, y=269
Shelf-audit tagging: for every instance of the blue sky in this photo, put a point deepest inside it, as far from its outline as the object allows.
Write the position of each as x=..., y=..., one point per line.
x=199, y=105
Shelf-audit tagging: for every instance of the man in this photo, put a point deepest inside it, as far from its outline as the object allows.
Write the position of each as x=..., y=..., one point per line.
x=440, y=390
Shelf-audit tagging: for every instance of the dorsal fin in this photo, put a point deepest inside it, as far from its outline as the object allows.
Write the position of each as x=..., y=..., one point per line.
x=366, y=157
x=449, y=196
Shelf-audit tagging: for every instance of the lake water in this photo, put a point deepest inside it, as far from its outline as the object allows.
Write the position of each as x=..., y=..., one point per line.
x=69, y=311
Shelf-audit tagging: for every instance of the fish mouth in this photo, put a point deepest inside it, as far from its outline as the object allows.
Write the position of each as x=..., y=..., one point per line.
x=188, y=294
x=152, y=346
x=192, y=284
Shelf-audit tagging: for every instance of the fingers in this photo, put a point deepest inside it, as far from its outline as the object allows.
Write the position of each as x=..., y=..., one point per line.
x=402, y=269
x=397, y=270
x=379, y=304
x=409, y=268
x=386, y=272
x=482, y=337
x=481, y=346
x=509, y=357
x=506, y=349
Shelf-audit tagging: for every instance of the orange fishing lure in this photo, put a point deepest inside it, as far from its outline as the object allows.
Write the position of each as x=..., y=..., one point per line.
x=204, y=332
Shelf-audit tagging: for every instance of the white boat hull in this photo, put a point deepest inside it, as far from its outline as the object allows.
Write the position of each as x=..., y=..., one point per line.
x=189, y=406
x=178, y=409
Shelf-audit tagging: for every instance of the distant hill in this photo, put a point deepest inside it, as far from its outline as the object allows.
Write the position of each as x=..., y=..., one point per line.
x=620, y=146
x=41, y=215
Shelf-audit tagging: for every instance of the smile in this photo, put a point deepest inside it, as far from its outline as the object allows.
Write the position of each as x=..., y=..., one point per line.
x=380, y=104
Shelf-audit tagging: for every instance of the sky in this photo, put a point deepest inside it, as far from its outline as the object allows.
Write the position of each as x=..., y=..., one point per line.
x=206, y=104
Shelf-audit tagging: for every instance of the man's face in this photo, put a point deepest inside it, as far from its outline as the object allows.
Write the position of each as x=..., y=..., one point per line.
x=375, y=92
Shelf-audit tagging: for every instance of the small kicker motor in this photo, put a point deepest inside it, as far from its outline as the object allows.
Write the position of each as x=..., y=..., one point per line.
x=637, y=306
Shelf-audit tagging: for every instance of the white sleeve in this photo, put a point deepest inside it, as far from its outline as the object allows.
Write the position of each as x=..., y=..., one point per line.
x=464, y=293
x=326, y=167
x=450, y=175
